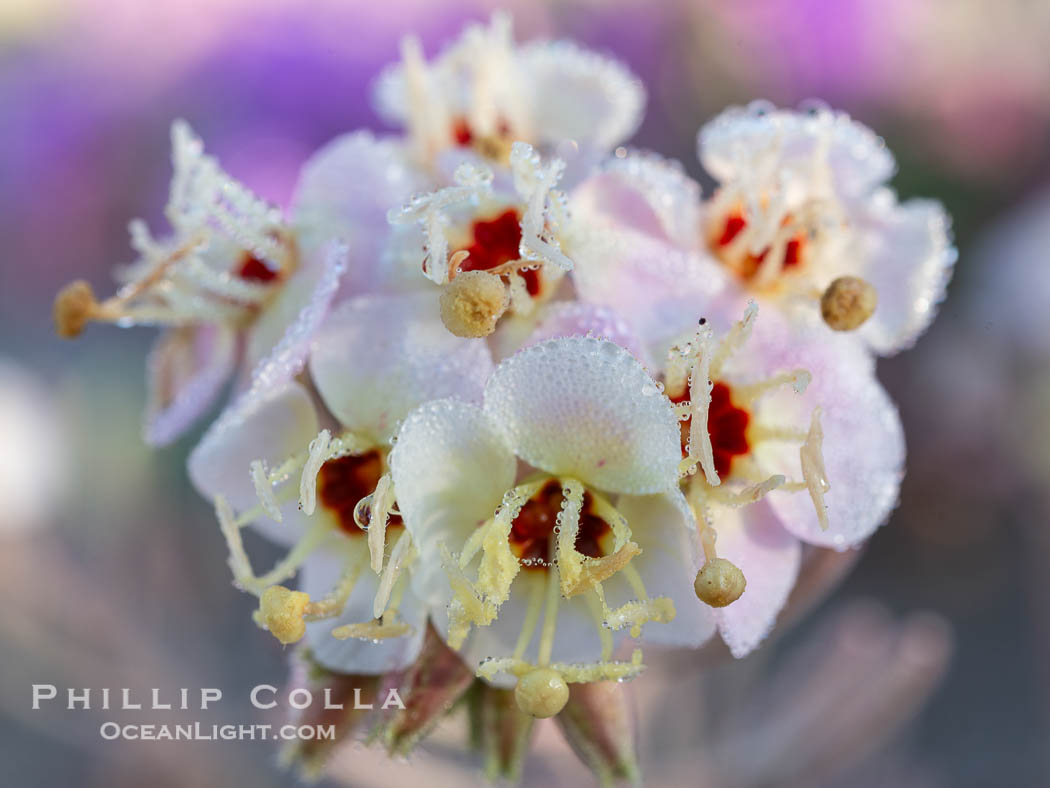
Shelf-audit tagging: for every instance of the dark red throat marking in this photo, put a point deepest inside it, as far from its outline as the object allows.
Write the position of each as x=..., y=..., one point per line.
x=735, y=224
x=255, y=270
x=727, y=425
x=533, y=528
x=496, y=242
x=344, y=481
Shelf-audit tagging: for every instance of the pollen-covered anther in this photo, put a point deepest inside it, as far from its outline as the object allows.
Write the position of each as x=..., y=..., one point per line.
x=75, y=306
x=282, y=612
x=542, y=692
x=719, y=583
x=376, y=629
x=473, y=303
x=847, y=303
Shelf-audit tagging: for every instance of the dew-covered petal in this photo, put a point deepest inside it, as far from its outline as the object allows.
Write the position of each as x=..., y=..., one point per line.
x=345, y=191
x=320, y=574
x=376, y=358
x=450, y=470
x=279, y=339
x=576, y=637
x=645, y=192
x=271, y=426
x=863, y=445
x=663, y=290
x=753, y=539
x=187, y=369
x=580, y=95
x=667, y=565
x=576, y=318
x=908, y=256
x=585, y=408
x=735, y=141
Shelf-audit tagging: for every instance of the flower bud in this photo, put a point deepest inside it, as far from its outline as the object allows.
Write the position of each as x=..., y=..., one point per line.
x=428, y=688
x=505, y=733
x=597, y=724
x=357, y=695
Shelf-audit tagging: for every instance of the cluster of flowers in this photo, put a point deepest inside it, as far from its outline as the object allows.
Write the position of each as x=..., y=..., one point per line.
x=516, y=399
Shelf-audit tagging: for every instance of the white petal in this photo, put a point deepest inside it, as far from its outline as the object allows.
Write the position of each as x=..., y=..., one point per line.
x=668, y=567
x=320, y=573
x=280, y=337
x=863, y=438
x=187, y=369
x=769, y=557
x=909, y=255
x=646, y=192
x=662, y=289
x=272, y=426
x=585, y=408
x=730, y=144
x=377, y=358
x=579, y=95
x=576, y=637
x=577, y=319
x=450, y=470
x=345, y=191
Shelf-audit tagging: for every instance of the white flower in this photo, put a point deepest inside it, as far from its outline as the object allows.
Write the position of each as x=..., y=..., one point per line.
x=231, y=268
x=491, y=243
x=268, y=463
x=800, y=219
x=572, y=434
x=788, y=439
x=483, y=93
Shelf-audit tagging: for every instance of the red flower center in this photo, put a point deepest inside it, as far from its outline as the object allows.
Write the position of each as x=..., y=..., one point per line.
x=495, y=242
x=255, y=270
x=727, y=425
x=533, y=528
x=344, y=481
x=749, y=264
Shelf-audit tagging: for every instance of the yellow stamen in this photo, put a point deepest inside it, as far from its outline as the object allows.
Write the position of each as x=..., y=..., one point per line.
x=813, y=473
x=281, y=611
x=719, y=582
x=541, y=693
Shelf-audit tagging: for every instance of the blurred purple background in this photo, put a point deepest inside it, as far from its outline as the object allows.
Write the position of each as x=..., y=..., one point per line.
x=112, y=571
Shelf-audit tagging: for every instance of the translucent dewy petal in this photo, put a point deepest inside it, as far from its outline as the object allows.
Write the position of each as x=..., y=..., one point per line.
x=585, y=408
x=663, y=290
x=858, y=157
x=579, y=95
x=755, y=541
x=863, y=444
x=578, y=319
x=646, y=192
x=377, y=358
x=345, y=191
x=450, y=469
x=667, y=566
x=321, y=572
x=280, y=338
x=271, y=426
x=578, y=634
x=186, y=370
x=909, y=261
